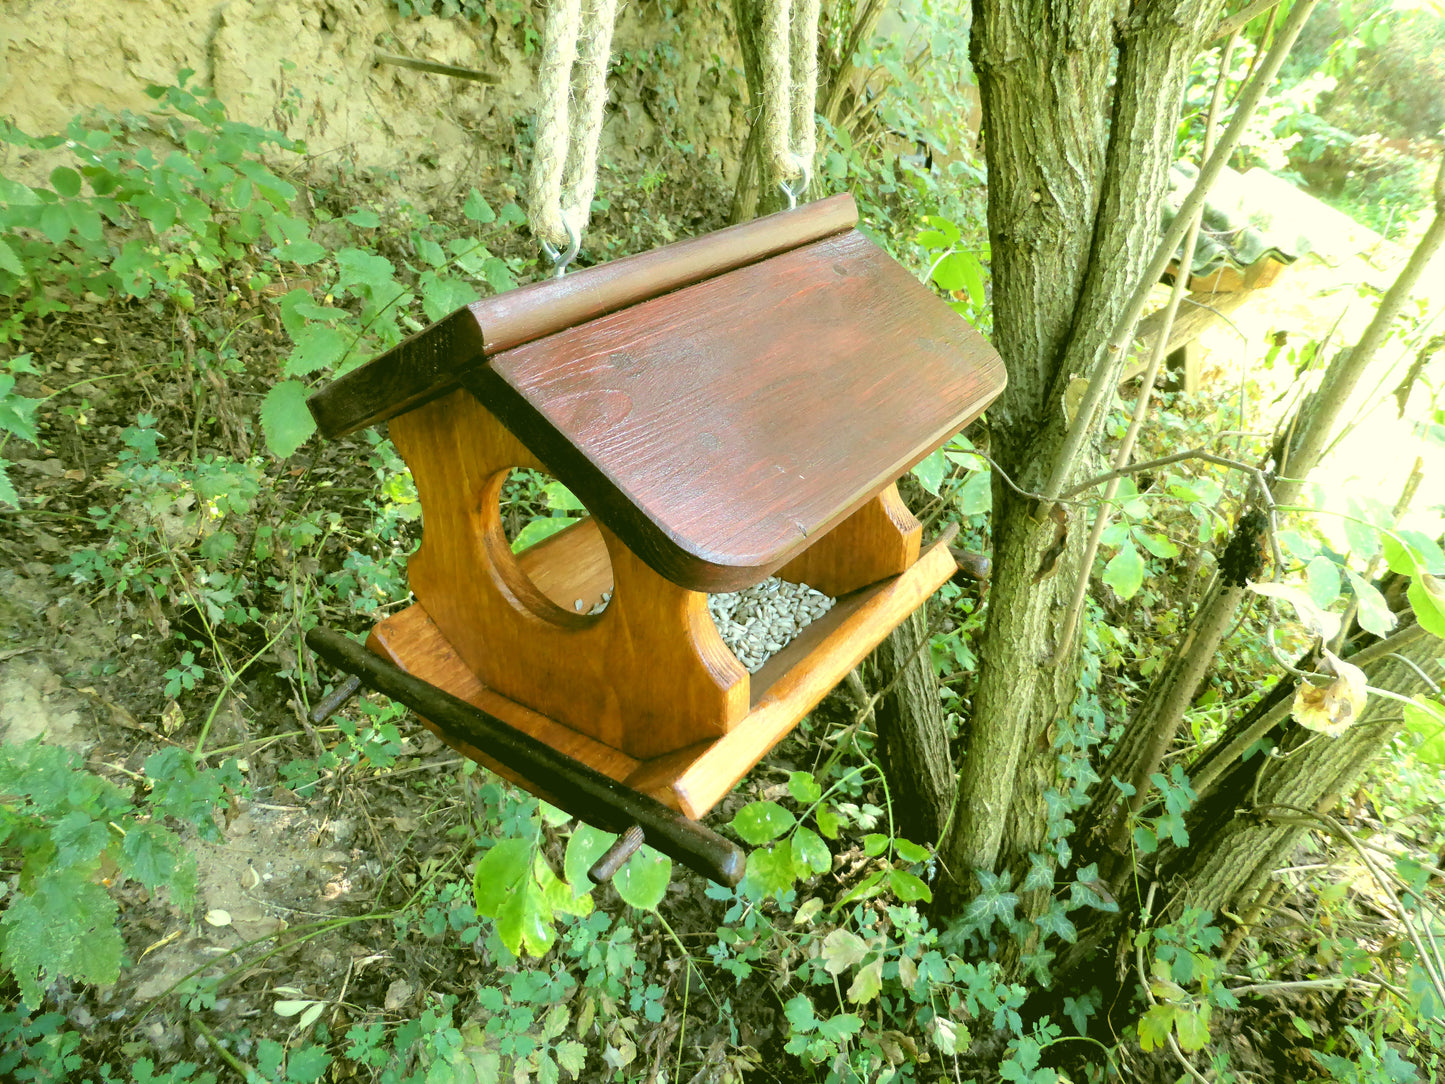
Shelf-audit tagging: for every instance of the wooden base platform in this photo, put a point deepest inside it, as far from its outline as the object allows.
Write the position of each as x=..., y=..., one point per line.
x=694, y=779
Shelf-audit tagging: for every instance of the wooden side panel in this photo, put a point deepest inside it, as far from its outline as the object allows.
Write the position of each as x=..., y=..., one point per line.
x=429, y=363
x=412, y=641
x=720, y=428
x=805, y=672
x=879, y=540
x=597, y=674
x=570, y=566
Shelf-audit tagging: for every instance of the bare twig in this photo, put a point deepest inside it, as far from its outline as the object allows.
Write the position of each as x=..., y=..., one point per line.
x=1146, y=386
x=434, y=68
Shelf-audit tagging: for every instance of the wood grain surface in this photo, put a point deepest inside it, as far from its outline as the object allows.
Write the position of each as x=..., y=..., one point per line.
x=694, y=779
x=648, y=675
x=429, y=363
x=879, y=540
x=721, y=427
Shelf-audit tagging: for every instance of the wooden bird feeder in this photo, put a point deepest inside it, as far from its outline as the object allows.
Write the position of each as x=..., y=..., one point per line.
x=727, y=408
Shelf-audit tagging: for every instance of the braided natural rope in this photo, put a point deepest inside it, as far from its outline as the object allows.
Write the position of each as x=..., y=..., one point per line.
x=805, y=81
x=789, y=56
x=562, y=182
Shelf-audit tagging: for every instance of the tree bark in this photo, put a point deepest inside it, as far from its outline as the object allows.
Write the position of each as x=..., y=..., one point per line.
x=1235, y=855
x=1073, y=218
x=912, y=738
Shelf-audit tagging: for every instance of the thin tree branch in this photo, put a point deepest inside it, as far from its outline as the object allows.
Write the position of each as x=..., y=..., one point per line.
x=1231, y=24
x=1146, y=387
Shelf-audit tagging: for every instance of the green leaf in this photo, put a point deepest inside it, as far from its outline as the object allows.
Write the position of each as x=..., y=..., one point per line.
x=931, y=471
x=305, y=1066
x=284, y=418
x=1125, y=573
x=841, y=950
x=478, y=209
x=1427, y=598
x=1323, y=577
x=770, y=870
x=65, y=929
x=499, y=875
x=1145, y=840
x=1373, y=612
x=1398, y=555
x=65, y=181
x=1424, y=719
x=303, y=252
x=949, y=232
x=7, y=489
x=584, y=848
x=643, y=881
x=1157, y=544
x=976, y=496
x=867, y=982
x=1154, y=1025
x=910, y=851
x=365, y=269
x=318, y=346
x=837, y=1028
x=908, y=887
x=1193, y=1030
x=961, y=271
x=760, y=822
x=10, y=262
x=874, y=844
x=828, y=822
x=572, y=1056
x=538, y=529
x=804, y=788
x=810, y=854
x=55, y=222
x=445, y=296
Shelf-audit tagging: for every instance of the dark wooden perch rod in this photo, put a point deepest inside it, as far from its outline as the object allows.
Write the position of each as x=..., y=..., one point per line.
x=569, y=784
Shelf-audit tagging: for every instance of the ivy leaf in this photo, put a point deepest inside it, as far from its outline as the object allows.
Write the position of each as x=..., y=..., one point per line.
x=644, y=880
x=284, y=418
x=1125, y=573
x=976, y=496
x=760, y=822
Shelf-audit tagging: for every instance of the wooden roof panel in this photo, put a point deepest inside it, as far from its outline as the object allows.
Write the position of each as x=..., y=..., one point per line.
x=717, y=428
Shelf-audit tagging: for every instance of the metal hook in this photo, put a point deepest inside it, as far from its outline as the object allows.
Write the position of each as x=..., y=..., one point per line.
x=794, y=194
x=560, y=260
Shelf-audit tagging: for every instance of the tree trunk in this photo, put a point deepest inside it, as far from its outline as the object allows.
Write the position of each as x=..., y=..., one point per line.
x=1073, y=219
x=912, y=739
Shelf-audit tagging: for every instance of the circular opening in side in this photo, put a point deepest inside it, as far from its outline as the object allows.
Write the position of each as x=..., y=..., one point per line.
x=553, y=546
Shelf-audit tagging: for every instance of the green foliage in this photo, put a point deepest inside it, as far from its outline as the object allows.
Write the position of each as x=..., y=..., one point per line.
x=74, y=835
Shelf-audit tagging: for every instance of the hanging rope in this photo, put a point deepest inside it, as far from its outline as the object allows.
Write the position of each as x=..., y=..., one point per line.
x=576, y=46
x=789, y=55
